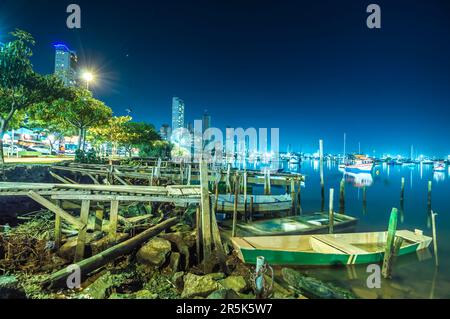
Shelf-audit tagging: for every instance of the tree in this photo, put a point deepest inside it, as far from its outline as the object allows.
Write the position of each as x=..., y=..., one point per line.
x=114, y=131
x=139, y=135
x=80, y=114
x=20, y=86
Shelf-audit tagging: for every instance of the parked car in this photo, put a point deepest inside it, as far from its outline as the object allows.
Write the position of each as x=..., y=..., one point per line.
x=41, y=149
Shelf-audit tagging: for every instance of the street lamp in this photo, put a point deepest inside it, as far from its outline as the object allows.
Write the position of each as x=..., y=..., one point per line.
x=88, y=77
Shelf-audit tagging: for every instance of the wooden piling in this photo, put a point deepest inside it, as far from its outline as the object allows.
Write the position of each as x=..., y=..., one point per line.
x=342, y=197
x=299, y=197
x=245, y=195
x=251, y=208
x=322, y=183
x=331, y=212
x=389, y=251
x=269, y=183
x=235, y=209
x=189, y=174
x=292, y=196
x=435, y=246
x=402, y=190
x=430, y=185
x=58, y=227
x=98, y=218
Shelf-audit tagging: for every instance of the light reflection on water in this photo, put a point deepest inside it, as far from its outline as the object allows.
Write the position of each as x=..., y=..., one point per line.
x=413, y=277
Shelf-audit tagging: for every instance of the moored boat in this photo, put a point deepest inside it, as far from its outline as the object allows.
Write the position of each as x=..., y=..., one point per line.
x=359, y=164
x=439, y=166
x=261, y=203
x=296, y=225
x=326, y=250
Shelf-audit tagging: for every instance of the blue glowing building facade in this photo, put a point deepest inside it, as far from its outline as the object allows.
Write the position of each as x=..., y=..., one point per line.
x=66, y=64
x=177, y=113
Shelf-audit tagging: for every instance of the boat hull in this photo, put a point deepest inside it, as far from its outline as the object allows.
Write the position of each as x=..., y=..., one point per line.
x=276, y=257
x=360, y=168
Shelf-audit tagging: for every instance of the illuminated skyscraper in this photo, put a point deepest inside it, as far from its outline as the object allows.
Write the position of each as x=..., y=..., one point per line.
x=66, y=64
x=177, y=113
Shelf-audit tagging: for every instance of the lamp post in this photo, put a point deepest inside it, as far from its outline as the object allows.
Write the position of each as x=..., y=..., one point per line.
x=87, y=77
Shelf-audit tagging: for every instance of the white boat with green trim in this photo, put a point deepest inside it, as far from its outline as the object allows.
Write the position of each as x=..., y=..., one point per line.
x=326, y=250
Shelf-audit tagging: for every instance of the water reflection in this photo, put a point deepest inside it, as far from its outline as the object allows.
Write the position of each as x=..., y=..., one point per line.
x=439, y=176
x=359, y=180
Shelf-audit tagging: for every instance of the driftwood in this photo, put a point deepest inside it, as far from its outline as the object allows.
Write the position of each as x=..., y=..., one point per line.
x=313, y=288
x=58, y=279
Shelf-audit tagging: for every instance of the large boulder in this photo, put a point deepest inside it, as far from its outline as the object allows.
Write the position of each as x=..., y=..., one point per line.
x=10, y=288
x=236, y=283
x=200, y=286
x=154, y=252
x=224, y=294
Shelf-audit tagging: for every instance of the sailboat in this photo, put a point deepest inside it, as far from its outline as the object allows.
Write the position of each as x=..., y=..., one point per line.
x=360, y=164
x=439, y=166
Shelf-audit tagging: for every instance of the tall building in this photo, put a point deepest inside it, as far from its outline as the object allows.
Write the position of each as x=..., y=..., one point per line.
x=66, y=64
x=206, y=121
x=165, y=132
x=177, y=113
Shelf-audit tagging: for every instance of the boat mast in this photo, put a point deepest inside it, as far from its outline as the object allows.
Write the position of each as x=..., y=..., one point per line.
x=345, y=140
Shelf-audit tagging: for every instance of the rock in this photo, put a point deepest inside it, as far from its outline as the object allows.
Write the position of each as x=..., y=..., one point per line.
x=100, y=288
x=10, y=288
x=154, y=252
x=199, y=286
x=365, y=293
x=183, y=242
x=177, y=280
x=145, y=294
x=224, y=294
x=237, y=283
x=174, y=261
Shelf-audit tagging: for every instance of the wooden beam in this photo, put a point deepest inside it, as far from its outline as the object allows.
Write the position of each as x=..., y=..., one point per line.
x=59, y=178
x=55, y=209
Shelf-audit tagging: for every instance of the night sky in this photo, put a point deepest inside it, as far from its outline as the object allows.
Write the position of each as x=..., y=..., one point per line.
x=311, y=68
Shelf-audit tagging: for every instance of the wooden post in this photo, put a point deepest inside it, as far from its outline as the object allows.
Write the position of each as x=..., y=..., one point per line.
x=435, y=246
x=189, y=174
x=58, y=227
x=402, y=191
x=113, y=217
x=259, y=280
x=292, y=196
x=206, y=210
x=269, y=184
x=429, y=196
x=342, y=197
x=199, y=233
x=227, y=182
x=81, y=241
x=266, y=190
x=251, y=208
x=389, y=251
x=364, y=200
x=331, y=212
x=322, y=183
x=245, y=195
x=299, y=197
x=98, y=218
x=235, y=210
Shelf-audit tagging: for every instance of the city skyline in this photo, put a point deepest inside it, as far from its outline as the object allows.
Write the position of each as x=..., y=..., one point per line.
x=311, y=82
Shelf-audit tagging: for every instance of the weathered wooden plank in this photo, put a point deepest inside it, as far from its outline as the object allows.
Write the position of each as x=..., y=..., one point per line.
x=113, y=217
x=55, y=209
x=206, y=211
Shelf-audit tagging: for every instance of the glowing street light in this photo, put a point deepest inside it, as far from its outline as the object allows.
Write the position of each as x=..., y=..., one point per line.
x=87, y=77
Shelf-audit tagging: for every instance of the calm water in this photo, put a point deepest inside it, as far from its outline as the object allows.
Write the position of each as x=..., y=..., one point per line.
x=413, y=276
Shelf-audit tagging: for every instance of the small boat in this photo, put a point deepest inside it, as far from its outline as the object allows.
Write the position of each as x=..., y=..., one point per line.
x=261, y=203
x=296, y=225
x=326, y=250
x=361, y=163
x=439, y=167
